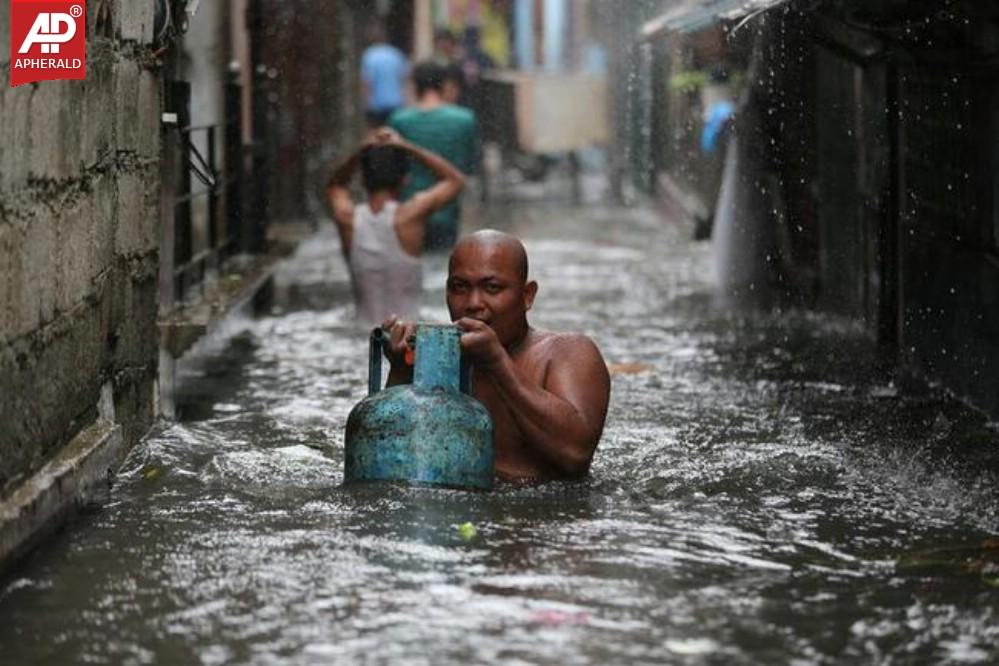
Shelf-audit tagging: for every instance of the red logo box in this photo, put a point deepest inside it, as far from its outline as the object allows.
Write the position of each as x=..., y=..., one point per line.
x=48, y=40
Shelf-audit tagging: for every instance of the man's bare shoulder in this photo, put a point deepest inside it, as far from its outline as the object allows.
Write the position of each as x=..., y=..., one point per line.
x=573, y=368
x=558, y=346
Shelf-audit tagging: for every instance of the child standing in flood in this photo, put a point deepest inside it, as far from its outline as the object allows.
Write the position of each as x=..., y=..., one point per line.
x=382, y=238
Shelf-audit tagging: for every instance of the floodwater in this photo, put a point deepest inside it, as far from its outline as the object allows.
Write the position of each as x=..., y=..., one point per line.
x=766, y=491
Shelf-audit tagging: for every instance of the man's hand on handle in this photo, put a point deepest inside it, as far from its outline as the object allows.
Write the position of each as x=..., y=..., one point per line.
x=399, y=346
x=480, y=344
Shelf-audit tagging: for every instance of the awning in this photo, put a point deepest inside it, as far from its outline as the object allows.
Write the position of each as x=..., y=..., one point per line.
x=693, y=15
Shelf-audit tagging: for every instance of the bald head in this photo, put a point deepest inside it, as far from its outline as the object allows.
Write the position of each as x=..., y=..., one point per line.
x=487, y=281
x=489, y=240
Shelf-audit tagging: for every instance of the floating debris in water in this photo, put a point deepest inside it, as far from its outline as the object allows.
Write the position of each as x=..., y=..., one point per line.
x=627, y=368
x=982, y=559
x=888, y=391
x=555, y=618
x=467, y=531
x=692, y=646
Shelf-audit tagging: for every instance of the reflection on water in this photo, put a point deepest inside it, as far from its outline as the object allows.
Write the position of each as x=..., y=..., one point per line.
x=759, y=480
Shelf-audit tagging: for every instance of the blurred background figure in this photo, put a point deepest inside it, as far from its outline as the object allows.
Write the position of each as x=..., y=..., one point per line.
x=474, y=63
x=454, y=84
x=444, y=128
x=446, y=49
x=449, y=55
x=383, y=77
x=718, y=110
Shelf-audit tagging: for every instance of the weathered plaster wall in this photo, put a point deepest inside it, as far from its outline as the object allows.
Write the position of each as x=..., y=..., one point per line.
x=79, y=193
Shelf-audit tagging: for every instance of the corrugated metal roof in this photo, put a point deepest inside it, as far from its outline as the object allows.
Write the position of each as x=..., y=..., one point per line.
x=694, y=15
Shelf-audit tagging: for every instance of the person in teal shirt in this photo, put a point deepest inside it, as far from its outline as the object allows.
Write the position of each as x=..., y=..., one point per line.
x=449, y=130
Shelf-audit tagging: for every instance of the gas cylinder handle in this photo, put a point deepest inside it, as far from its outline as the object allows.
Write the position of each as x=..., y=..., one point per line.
x=375, y=361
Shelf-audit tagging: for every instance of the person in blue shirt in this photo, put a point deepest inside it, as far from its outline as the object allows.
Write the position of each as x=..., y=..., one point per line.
x=719, y=113
x=384, y=69
x=716, y=122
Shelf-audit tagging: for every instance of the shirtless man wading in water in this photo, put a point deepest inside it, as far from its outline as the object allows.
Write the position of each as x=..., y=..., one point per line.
x=547, y=392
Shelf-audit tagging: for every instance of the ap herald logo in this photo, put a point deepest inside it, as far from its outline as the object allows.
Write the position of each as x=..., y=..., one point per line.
x=47, y=41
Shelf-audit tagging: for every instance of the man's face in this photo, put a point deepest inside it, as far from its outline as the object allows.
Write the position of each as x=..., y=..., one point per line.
x=484, y=283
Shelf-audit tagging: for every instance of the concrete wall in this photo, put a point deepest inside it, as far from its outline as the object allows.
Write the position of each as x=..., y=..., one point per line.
x=79, y=193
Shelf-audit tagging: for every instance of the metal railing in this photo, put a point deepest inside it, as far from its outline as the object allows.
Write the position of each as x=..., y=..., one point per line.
x=208, y=211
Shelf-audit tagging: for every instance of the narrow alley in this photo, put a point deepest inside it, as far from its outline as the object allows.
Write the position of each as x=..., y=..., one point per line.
x=772, y=226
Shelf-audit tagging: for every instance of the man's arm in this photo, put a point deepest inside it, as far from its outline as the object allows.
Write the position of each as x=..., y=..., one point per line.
x=563, y=419
x=340, y=202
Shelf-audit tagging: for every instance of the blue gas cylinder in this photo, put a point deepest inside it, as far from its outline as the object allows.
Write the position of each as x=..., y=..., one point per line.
x=429, y=432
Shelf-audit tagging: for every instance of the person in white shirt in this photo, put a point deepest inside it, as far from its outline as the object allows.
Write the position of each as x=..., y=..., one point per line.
x=382, y=238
